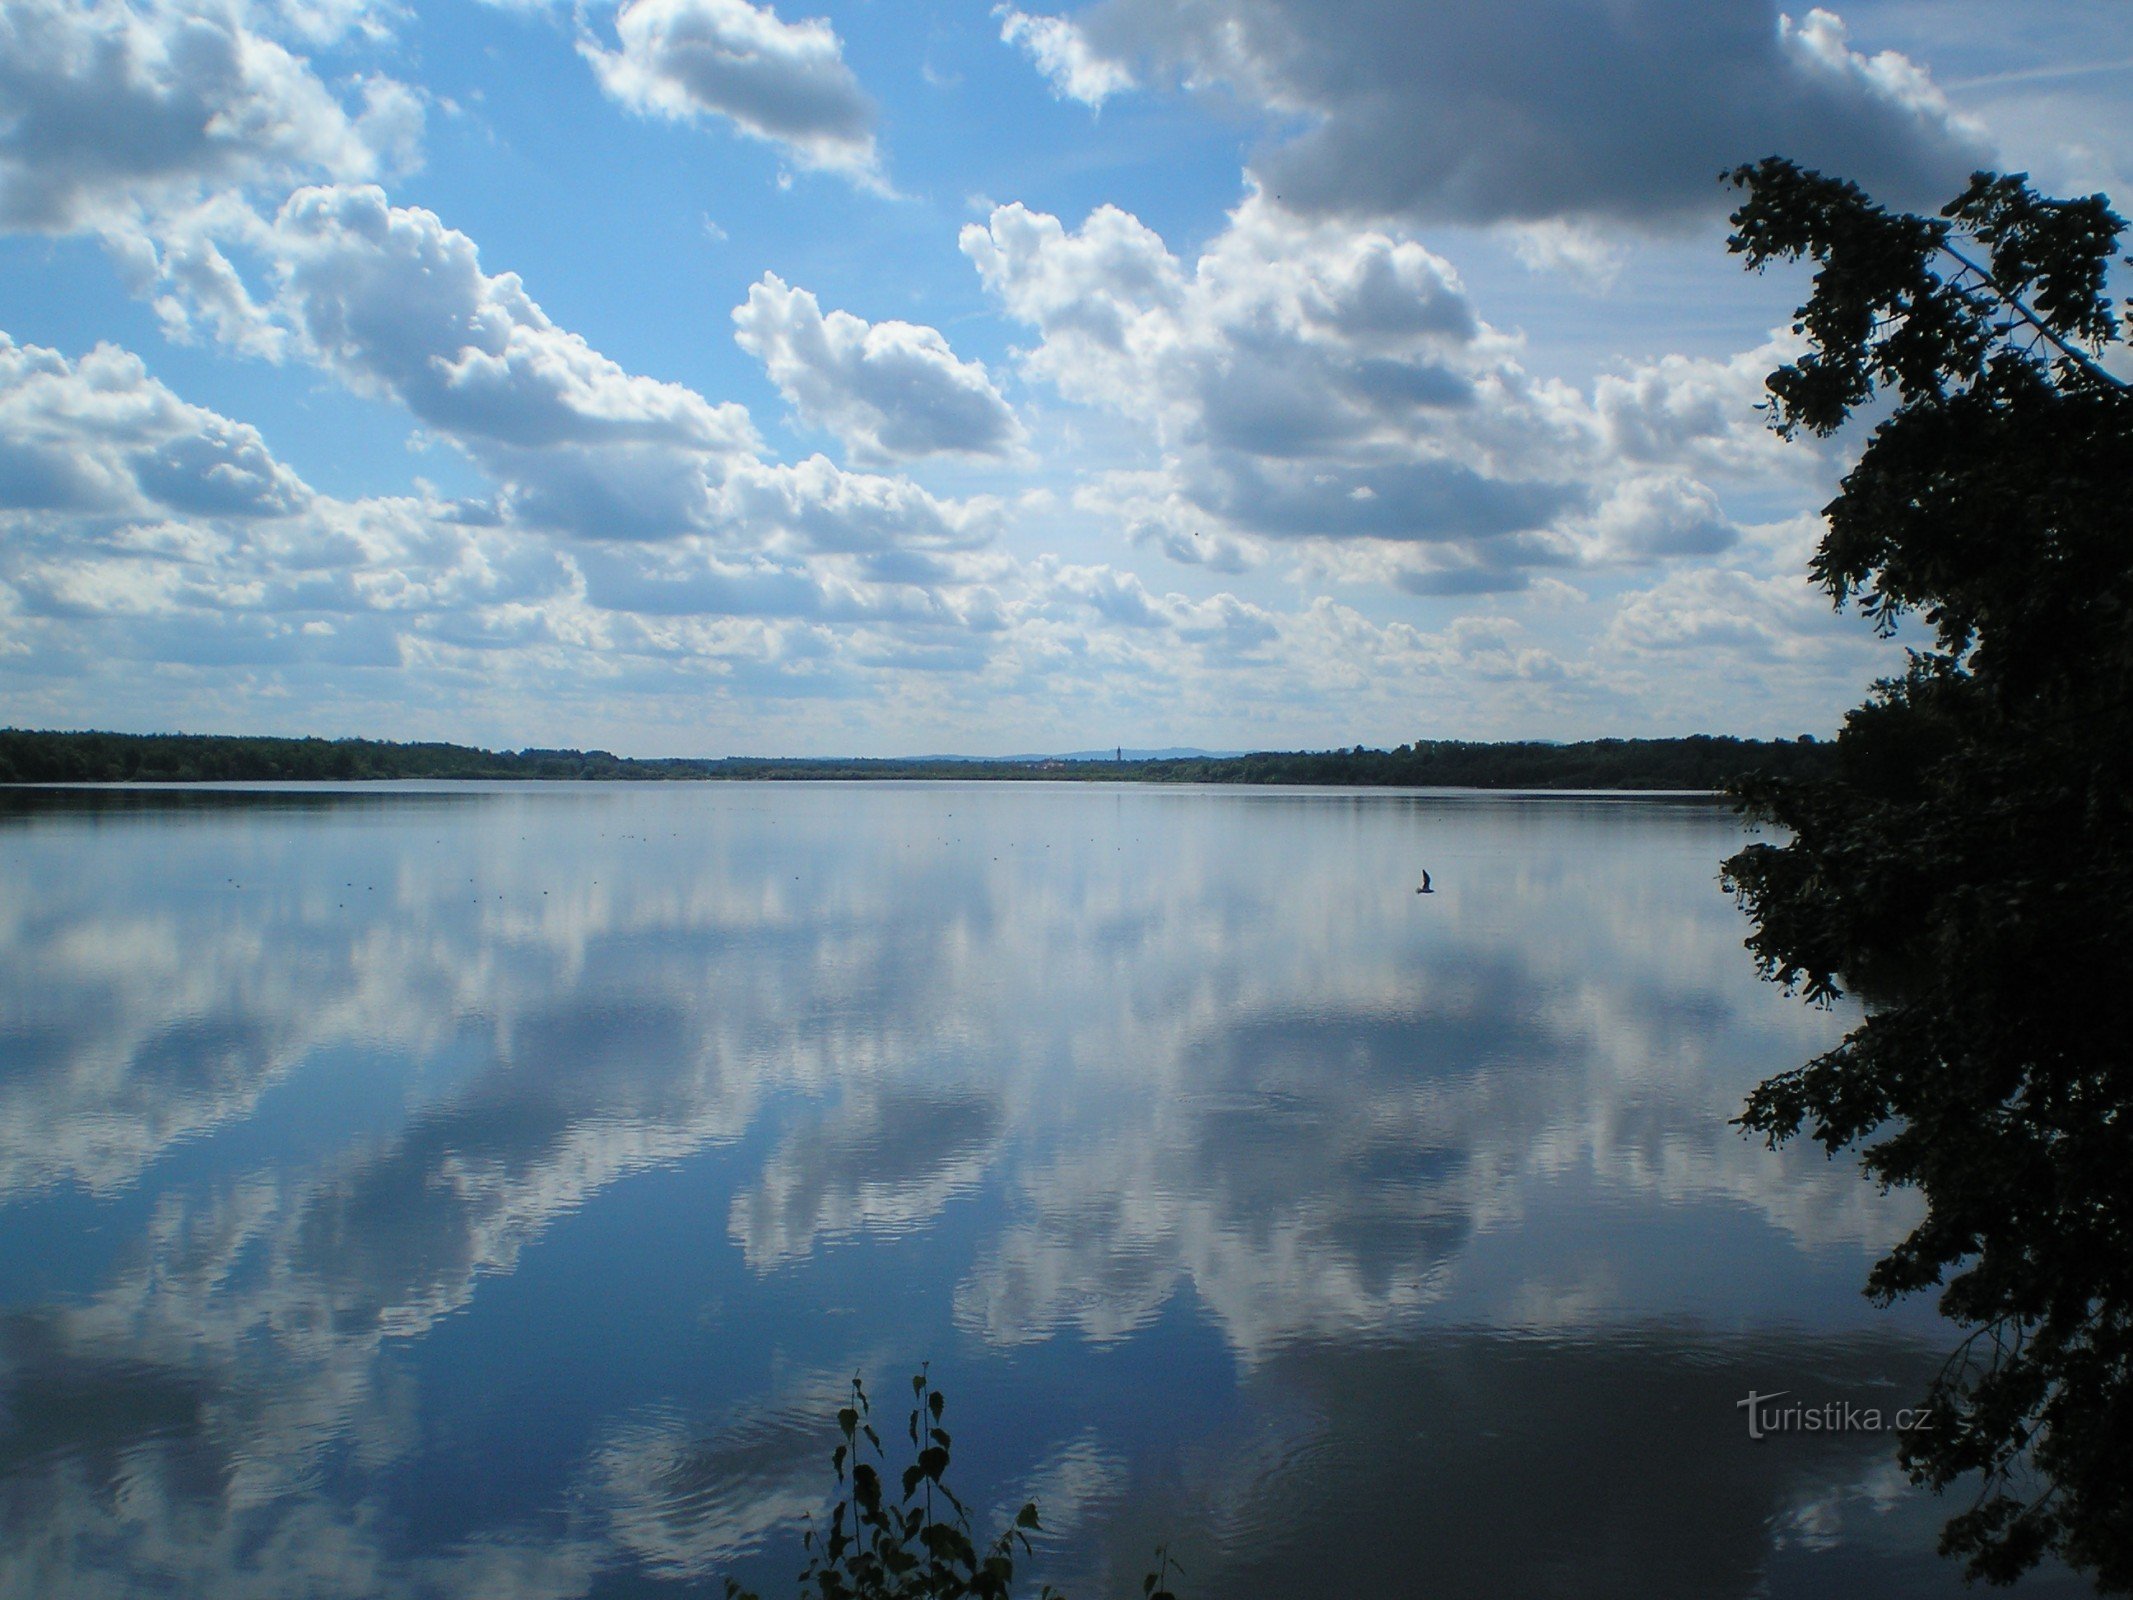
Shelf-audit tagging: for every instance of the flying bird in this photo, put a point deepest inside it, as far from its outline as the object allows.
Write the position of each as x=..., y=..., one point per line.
x=1425, y=889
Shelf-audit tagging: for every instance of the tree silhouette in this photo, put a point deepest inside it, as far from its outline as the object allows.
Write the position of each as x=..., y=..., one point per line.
x=1967, y=866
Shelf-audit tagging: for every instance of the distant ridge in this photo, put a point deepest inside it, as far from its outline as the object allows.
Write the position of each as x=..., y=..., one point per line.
x=1698, y=762
x=1172, y=753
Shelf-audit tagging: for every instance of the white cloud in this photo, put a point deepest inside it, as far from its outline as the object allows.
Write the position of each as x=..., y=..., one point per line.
x=397, y=303
x=889, y=390
x=784, y=82
x=1075, y=71
x=1582, y=252
x=826, y=508
x=1655, y=517
x=1301, y=399
x=141, y=527
x=1303, y=381
x=102, y=437
x=1333, y=390
x=1703, y=413
x=111, y=110
x=1283, y=340
x=1714, y=612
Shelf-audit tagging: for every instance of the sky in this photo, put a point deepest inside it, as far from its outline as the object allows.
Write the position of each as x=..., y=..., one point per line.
x=699, y=377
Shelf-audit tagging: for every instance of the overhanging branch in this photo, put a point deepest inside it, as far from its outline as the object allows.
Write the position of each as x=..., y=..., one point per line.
x=2013, y=303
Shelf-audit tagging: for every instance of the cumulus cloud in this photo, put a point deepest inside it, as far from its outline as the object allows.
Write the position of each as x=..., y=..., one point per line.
x=784, y=82
x=1331, y=391
x=1703, y=413
x=826, y=508
x=888, y=390
x=1061, y=53
x=110, y=110
x=1543, y=108
x=101, y=436
x=395, y=299
x=137, y=526
x=1649, y=518
x=1285, y=339
x=687, y=581
x=397, y=304
x=1303, y=381
x=1221, y=625
x=691, y=578
x=1712, y=612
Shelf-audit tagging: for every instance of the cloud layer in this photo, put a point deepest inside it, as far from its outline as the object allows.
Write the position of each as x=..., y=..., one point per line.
x=1535, y=109
x=1305, y=423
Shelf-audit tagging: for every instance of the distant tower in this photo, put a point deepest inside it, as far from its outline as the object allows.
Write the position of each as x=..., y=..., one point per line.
x=1119, y=755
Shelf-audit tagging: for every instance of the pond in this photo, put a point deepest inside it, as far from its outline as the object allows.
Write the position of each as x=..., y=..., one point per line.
x=491, y=1190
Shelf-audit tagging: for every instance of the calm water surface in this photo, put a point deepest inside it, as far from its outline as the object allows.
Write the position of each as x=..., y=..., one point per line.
x=487, y=1191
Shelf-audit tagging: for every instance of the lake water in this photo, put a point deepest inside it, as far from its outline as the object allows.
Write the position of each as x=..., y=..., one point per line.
x=489, y=1190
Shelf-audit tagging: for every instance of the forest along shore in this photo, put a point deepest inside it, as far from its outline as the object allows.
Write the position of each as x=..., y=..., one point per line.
x=1702, y=761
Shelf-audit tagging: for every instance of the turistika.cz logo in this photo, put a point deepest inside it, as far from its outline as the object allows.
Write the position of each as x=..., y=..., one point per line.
x=1766, y=1417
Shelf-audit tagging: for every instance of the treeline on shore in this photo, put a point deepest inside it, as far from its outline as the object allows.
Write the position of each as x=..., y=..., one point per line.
x=1698, y=762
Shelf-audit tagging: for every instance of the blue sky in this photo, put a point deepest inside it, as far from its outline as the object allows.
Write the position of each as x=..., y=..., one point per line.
x=697, y=376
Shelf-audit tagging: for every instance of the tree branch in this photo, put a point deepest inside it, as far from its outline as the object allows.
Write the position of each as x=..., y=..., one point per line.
x=2013, y=303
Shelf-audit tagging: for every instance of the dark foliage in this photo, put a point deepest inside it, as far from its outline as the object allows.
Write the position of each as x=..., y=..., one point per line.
x=1693, y=763
x=881, y=1545
x=1967, y=867
x=1700, y=762
x=911, y=1540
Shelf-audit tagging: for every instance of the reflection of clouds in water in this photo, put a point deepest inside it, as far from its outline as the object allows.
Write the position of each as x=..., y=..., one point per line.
x=1073, y=1483
x=1318, y=1227
x=280, y=1290
x=686, y=1502
x=150, y=1534
x=885, y=1160
x=121, y=1476
x=1078, y=1486
x=117, y=1046
x=1191, y=1040
x=397, y=1238
x=1317, y=1173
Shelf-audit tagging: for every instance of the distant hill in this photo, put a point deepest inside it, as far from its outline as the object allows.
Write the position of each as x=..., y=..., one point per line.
x=1173, y=753
x=1701, y=761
